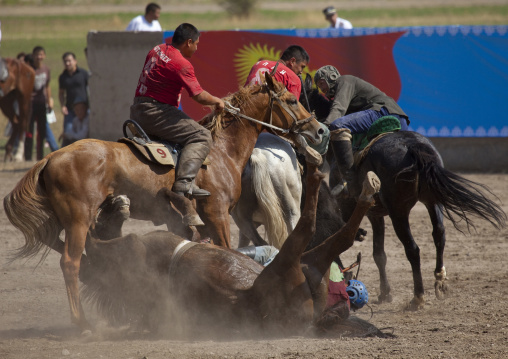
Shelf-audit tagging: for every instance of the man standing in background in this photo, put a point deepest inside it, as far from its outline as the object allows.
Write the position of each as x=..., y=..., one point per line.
x=72, y=84
x=335, y=21
x=42, y=102
x=147, y=22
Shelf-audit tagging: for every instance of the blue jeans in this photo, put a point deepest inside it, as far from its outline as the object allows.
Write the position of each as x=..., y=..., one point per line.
x=51, y=139
x=360, y=122
x=68, y=126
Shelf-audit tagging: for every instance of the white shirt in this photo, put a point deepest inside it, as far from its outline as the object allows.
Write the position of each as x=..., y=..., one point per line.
x=139, y=23
x=342, y=24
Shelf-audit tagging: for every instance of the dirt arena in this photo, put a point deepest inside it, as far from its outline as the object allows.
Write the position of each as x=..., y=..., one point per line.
x=471, y=323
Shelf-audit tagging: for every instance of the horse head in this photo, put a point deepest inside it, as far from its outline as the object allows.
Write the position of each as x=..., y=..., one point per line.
x=285, y=111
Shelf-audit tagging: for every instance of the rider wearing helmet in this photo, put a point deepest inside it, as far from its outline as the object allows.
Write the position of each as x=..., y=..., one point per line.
x=356, y=105
x=358, y=295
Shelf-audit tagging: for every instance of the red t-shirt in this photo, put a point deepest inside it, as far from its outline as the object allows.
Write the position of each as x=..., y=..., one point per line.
x=283, y=74
x=165, y=74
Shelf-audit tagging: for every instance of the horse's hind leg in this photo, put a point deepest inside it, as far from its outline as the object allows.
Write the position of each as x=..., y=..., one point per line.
x=403, y=231
x=378, y=243
x=438, y=234
x=75, y=238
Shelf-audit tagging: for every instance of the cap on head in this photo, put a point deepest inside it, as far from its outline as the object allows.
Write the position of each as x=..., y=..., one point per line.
x=329, y=11
x=330, y=74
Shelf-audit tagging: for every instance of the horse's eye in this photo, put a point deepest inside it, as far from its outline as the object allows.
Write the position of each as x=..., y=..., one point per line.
x=292, y=101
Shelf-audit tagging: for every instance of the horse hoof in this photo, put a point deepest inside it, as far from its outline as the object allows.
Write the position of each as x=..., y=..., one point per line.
x=417, y=303
x=371, y=186
x=312, y=156
x=441, y=289
x=384, y=298
x=192, y=220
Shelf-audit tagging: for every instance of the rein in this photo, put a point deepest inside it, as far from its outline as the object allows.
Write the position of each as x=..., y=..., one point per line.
x=273, y=95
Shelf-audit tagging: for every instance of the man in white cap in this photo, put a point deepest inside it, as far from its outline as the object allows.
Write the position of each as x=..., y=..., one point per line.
x=335, y=21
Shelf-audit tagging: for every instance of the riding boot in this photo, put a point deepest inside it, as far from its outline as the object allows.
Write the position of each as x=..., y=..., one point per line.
x=191, y=160
x=340, y=141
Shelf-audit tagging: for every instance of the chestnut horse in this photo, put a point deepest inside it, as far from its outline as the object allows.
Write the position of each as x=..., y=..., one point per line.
x=65, y=189
x=219, y=288
x=17, y=88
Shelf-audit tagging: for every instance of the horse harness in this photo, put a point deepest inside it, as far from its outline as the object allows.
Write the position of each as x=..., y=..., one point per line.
x=180, y=249
x=295, y=127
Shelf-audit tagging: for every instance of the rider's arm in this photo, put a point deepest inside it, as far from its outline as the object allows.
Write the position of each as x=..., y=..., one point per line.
x=343, y=96
x=206, y=99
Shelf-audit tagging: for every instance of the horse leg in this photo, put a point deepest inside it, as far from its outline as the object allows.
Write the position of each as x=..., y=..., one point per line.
x=75, y=238
x=438, y=234
x=321, y=257
x=378, y=244
x=403, y=231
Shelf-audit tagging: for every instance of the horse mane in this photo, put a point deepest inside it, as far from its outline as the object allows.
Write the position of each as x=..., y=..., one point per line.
x=216, y=122
x=242, y=99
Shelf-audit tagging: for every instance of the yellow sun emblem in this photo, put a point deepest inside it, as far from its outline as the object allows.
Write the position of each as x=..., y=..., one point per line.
x=247, y=56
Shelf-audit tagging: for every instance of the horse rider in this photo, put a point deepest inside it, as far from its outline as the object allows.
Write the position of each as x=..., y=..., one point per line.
x=285, y=70
x=356, y=105
x=166, y=72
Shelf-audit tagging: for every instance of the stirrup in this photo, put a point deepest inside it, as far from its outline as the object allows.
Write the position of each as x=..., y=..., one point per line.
x=189, y=189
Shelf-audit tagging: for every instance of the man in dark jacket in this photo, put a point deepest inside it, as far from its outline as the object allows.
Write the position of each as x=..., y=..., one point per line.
x=356, y=105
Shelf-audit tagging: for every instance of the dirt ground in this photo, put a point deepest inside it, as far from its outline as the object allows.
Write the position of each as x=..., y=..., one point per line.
x=471, y=323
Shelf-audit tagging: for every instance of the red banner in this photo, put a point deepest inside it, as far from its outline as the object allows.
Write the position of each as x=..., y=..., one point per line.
x=224, y=59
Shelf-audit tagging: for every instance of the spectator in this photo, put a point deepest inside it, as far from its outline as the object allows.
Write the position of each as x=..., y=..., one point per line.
x=42, y=102
x=72, y=84
x=80, y=123
x=335, y=21
x=147, y=22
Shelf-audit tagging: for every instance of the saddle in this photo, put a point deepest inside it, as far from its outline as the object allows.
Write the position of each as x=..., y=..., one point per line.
x=154, y=150
x=363, y=141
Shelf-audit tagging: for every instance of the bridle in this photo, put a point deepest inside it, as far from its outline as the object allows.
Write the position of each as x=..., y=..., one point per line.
x=295, y=127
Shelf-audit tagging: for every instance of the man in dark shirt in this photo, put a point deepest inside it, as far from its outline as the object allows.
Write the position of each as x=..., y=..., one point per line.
x=356, y=105
x=72, y=84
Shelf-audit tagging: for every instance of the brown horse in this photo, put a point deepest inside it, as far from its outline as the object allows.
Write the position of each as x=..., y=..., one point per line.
x=65, y=189
x=219, y=288
x=18, y=88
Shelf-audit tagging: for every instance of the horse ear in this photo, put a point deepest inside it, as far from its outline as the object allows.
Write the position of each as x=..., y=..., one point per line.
x=308, y=83
x=269, y=82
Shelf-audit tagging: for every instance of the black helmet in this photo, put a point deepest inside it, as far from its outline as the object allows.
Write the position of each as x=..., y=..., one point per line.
x=330, y=74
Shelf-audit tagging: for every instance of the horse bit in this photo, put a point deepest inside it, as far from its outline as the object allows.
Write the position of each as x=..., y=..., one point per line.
x=273, y=95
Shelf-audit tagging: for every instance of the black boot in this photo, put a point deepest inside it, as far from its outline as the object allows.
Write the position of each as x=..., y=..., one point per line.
x=343, y=152
x=191, y=160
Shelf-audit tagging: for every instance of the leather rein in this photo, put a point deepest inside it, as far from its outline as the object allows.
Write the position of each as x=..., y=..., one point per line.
x=273, y=96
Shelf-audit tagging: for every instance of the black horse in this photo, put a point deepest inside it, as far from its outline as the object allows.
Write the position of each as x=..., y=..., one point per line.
x=411, y=170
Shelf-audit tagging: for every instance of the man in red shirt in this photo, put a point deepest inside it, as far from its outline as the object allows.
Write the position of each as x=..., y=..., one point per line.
x=291, y=64
x=167, y=71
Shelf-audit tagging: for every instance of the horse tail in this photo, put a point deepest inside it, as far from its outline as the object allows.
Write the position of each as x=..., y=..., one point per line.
x=268, y=201
x=28, y=209
x=459, y=196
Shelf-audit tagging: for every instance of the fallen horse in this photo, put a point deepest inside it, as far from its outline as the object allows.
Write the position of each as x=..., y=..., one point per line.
x=208, y=289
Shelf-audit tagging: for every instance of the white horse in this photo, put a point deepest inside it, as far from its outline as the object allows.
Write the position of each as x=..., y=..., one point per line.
x=271, y=193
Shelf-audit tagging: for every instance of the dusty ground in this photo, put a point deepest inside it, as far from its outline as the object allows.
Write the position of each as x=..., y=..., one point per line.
x=472, y=323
